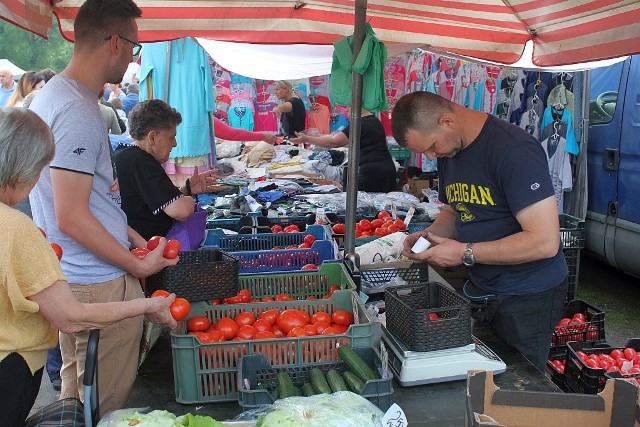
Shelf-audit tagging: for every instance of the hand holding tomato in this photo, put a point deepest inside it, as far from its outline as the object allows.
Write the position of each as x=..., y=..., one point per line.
x=156, y=259
x=161, y=310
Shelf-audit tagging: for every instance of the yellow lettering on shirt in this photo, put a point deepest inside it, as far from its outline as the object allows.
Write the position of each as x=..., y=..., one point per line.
x=469, y=193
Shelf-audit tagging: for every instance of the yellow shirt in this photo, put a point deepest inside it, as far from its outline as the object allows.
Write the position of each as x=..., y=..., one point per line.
x=27, y=266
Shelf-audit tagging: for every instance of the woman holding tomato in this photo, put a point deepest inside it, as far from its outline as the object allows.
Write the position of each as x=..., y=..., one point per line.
x=34, y=294
x=149, y=198
x=376, y=170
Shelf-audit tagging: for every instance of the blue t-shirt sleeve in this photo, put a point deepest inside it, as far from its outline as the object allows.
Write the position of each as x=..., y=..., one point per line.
x=525, y=175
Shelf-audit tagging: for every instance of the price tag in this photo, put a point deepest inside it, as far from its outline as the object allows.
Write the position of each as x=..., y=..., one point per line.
x=394, y=417
x=410, y=213
x=393, y=210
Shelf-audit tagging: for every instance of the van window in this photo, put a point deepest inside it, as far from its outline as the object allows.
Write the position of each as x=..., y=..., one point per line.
x=605, y=83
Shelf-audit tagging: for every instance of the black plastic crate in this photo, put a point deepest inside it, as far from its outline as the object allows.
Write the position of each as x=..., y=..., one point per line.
x=557, y=375
x=376, y=277
x=199, y=276
x=409, y=310
x=590, y=331
x=572, y=256
x=579, y=377
x=571, y=232
x=633, y=378
x=255, y=371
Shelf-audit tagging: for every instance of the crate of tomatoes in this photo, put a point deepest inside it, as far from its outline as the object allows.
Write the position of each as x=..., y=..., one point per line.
x=208, y=344
x=289, y=236
x=586, y=366
x=308, y=255
x=580, y=321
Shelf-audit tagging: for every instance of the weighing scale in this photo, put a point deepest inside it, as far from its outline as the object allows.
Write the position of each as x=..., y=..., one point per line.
x=427, y=367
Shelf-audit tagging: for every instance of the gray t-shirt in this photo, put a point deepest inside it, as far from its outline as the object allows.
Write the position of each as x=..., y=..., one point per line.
x=82, y=145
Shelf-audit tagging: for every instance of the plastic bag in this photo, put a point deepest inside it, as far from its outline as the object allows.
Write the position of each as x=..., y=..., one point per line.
x=340, y=409
x=383, y=249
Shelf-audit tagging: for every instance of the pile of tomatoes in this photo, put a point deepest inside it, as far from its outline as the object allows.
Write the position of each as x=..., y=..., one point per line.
x=244, y=296
x=269, y=324
x=576, y=328
x=381, y=226
x=292, y=228
x=307, y=242
x=626, y=361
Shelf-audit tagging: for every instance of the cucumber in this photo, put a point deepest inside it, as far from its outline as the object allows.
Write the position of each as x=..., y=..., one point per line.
x=353, y=382
x=356, y=364
x=319, y=381
x=335, y=381
x=285, y=386
x=297, y=391
x=274, y=394
x=308, y=390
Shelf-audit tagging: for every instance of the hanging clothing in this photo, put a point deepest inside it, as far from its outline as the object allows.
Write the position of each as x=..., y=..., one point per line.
x=550, y=115
x=554, y=143
x=370, y=63
x=190, y=91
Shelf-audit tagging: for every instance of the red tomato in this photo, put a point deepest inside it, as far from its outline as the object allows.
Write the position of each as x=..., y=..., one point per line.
x=153, y=242
x=580, y=317
x=592, y=363
x=616, y=353
x=365, y=234
x=291, y=229
x=215, y=301
x=380, y=232
x=246, y=332
x=276, y=228
x=342, y=317
x=228, y=327
x=400, y=224
x=365, y=225
x=245, y=318
x=198, y=323
x=216, y=335
x=320, y=316
x=312, y=297
x=304, y=245
x=309, y=239
x=270, y=316
x=298, y=332
x=387, y=219
x=262, y=325
x=264, y=335
x=202, y=336
x=277, y=331
x=140, y=252
x=339, y=228
x=267, y=299
x=172, y=249
x=244, y=295
x=375, y=223
x=330, y=331
x=321, y=326
x=434, y=316
x=392, y=229
x=283, y=297
x=629, y=353
x=180, y=308
x=160, y=293
x=309, y=267
x=563, y=322
x=290, y=319
x=57, y=249
x=383, y=214
x=311, y=330
x=334, y=288
x=341, y=329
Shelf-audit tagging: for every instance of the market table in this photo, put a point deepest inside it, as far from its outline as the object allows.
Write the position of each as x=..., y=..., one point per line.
x=440, y=404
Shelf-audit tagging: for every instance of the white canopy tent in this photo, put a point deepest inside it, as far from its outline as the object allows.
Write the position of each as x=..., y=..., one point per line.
x=15, y=70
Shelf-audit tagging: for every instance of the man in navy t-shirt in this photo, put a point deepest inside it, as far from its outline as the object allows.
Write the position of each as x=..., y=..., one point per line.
x=499, y=217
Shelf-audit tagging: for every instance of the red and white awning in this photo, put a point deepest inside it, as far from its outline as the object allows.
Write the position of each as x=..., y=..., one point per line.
x=563, y=31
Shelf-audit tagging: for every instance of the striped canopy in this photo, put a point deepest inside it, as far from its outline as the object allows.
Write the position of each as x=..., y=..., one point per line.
x=563, y=31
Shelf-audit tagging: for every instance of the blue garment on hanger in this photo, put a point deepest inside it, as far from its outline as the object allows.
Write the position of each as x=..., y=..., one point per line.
x=566, y=117
x=190, y=91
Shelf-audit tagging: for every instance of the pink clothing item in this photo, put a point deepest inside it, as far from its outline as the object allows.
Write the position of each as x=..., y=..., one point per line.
x=224, y=131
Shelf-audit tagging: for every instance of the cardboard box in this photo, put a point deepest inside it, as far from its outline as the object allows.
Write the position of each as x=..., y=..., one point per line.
x=487, y=405
x=417, y=185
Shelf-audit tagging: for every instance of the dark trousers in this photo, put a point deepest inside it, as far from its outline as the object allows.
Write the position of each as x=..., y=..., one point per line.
x=526, y=322
x=54, y=362
x=18, y=390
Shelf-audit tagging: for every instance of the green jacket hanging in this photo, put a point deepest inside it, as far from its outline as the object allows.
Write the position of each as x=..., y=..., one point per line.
x=370, y=63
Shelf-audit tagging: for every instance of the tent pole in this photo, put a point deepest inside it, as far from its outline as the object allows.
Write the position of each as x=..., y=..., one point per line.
x=354, y=133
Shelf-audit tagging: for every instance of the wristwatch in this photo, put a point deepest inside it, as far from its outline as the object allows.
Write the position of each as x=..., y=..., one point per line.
x=468, y=259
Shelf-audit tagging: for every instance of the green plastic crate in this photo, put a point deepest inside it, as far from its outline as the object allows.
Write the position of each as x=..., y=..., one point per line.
x=254, y=371
x=207, y=372
x=298, y=284
x=400, y=153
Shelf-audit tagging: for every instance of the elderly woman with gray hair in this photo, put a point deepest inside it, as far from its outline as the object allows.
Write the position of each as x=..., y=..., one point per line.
x=35, y=299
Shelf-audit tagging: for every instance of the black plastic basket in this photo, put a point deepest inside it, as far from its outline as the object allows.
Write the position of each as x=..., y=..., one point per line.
x=635, y=378
x=571, y=232
x=590, y=331
x=579, y=377
x=407, y=315
x=557, y=377
x=199, y=276
x=375, y=280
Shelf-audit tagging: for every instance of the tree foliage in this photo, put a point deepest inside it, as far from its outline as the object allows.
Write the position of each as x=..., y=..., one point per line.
x=31, y=52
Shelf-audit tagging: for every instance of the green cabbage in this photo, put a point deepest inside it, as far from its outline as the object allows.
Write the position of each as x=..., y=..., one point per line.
x=159, y=418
